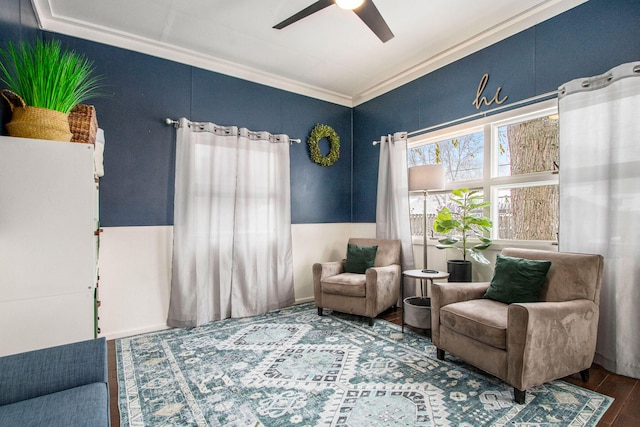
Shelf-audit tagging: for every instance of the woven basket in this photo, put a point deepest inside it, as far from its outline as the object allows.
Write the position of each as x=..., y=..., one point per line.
x=35, y=122
x=83, y=124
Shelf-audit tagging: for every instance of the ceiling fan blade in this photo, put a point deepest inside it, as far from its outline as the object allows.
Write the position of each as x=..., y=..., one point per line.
x=370, y=15
x=315, y=7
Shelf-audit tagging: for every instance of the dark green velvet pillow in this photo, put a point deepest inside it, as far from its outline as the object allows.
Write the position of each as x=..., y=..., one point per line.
x=359, y=258
x=517, y=279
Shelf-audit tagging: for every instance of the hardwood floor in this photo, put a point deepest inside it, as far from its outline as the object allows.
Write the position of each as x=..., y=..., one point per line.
x=623, y=412
x=113, y=384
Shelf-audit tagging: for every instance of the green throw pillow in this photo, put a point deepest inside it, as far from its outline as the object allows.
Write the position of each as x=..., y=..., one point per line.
x=359, y=258
x=517, y=279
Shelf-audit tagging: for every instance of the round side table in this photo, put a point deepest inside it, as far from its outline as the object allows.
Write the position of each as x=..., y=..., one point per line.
x=423, y=276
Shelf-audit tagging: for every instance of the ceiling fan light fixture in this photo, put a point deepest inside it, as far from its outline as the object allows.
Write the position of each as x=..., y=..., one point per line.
x=349, y=4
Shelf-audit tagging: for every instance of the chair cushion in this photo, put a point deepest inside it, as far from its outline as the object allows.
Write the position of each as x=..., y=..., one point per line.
x=359, y=258
x=347, y=284
x=483, y=320
x=517, y=279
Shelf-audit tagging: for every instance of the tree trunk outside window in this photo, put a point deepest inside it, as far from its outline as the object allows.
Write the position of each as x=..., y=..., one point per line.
x=533, y=146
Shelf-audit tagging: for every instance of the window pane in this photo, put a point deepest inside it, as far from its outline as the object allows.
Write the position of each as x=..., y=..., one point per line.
x=462, y=157
x=526, y=147
x=528, y=213
x=416, y=209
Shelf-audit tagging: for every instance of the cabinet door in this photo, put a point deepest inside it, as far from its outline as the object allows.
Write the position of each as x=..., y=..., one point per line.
x=33, y=323
x=47, y=242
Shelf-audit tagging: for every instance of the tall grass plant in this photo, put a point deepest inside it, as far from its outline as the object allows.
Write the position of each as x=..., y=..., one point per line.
x=46, y=76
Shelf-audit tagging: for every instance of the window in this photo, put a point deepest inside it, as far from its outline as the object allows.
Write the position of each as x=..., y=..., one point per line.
x=511, y=157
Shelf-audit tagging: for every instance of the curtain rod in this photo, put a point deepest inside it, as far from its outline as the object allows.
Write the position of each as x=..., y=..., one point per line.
x=544, y=96
x=176, y=124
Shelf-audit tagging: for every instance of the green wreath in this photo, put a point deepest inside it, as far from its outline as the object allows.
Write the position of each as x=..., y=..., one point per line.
x=319, y=132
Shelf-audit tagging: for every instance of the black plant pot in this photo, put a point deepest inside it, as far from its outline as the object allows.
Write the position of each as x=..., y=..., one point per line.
x=459, y=270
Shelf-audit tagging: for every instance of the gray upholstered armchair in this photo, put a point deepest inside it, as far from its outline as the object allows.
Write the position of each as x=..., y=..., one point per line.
x=524, y=344
x=366, y=294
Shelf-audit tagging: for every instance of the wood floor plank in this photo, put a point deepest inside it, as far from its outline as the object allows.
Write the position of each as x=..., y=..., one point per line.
x=620, y=389
x=623, y=420
x=631, y=406
x=113, y=384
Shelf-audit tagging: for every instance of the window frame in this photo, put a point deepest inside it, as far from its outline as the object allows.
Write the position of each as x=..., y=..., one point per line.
x=491, y=182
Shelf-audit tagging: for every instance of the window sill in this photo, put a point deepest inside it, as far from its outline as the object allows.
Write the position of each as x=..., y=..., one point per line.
x=499, y=244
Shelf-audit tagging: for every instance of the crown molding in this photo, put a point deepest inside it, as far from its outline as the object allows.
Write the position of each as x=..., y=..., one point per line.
x=508, y=28
x=49, y=22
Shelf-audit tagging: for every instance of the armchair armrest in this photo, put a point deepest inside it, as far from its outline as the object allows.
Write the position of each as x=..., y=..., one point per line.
x=39, y=372
x=322, y=270
x=549, y=340
x=382, y=287
x=388, y=272
x=448, y=293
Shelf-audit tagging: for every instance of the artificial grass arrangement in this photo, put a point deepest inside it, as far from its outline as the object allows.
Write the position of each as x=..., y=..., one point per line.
x=45, y=76
x=42, y=75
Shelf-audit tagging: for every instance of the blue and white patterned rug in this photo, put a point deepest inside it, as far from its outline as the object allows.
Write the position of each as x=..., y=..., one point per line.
x=294, y=368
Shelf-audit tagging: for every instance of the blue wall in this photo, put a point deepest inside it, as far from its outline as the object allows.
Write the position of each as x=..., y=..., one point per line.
x=137, y=188
x=139, y=157
x=17, y=21
x=584, y=41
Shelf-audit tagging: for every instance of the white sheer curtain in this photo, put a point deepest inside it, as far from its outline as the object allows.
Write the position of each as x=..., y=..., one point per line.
x=392, y=205
x=232, y=224
x=600, y=200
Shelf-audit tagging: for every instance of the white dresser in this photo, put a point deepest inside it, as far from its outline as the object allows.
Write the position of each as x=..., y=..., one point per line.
x=48, y=243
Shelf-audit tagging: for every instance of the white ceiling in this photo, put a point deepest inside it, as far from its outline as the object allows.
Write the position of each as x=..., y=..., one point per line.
x=330, y=55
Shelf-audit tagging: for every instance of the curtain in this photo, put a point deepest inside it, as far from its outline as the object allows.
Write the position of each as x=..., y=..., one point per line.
x=392, y=205
x=232, y=250
x=600, y=200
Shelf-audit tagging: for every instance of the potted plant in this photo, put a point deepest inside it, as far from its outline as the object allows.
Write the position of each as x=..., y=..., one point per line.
x=44, y=84
x=466, y=224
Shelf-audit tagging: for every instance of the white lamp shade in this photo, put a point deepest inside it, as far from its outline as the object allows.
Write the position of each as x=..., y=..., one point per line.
x=426, y=178
x=349, y=4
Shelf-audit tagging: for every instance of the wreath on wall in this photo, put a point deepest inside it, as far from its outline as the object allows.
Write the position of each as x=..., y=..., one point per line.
x=319, y=132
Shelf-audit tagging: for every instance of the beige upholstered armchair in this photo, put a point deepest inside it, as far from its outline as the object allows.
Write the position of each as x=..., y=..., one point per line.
x=366, y=294
x=524, y=344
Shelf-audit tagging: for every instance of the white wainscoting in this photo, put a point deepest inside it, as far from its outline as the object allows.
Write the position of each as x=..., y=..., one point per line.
x=135, y=279
x=135, y=271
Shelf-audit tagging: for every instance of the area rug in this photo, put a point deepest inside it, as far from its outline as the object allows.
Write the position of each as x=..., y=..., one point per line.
x=294, y=368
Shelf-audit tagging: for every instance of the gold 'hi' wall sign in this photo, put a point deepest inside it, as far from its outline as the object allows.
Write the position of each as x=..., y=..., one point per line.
x=480, y=99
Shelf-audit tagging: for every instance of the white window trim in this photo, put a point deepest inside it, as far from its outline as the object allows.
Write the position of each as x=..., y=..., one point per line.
x=491, y=182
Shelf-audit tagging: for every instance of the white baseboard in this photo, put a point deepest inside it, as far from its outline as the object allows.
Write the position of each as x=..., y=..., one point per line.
x=132, y=332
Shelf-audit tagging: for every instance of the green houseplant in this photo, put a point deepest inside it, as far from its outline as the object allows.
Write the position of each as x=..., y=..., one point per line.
x=465, y=223
x=45, y=82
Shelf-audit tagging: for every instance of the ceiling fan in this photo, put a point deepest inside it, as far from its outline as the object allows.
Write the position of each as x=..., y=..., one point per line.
x=366, y=11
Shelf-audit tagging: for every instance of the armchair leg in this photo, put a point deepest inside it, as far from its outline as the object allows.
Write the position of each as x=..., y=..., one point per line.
x=319, y=311
x=585, y=375
x=370, y=321
x=440, y=353
x=519, y=395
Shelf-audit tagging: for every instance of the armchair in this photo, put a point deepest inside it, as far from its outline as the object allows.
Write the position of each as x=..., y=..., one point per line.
x=366, y=294
x=524, y=344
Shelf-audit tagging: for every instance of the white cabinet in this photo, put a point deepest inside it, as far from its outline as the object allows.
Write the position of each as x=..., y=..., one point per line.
x=48, y=223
